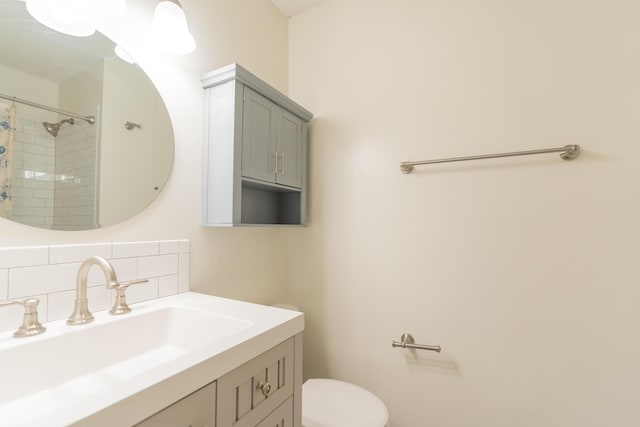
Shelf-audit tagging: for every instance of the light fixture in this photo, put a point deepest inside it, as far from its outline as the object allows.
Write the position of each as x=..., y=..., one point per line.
x=107, y=7
x=123, y=54
x=59, y=16
x=169, y=32
x=71, y=16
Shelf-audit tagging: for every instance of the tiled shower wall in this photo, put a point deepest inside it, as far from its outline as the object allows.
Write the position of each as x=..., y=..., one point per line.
x=54, y=180
x=33, y=172
x=76, y=205
x=49, y=274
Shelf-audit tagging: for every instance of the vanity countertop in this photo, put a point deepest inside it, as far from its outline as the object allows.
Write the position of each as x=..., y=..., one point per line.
x=166, y=349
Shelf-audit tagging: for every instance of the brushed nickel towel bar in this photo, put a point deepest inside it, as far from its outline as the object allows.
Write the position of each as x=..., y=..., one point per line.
x=407, y=341
x=568, y=152
x=88, y=119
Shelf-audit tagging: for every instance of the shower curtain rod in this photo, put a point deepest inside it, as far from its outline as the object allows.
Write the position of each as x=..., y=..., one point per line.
x=88, y=119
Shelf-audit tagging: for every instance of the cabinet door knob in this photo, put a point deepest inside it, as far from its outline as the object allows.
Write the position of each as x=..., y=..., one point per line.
x=264, y=387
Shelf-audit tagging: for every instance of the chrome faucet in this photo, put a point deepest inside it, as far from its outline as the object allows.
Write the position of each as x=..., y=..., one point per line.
x=81, y=313
x=30, y=324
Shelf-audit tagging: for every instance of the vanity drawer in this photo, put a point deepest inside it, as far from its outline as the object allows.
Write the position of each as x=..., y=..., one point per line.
x=281, y=417
x=252, y=391
x=195, y=410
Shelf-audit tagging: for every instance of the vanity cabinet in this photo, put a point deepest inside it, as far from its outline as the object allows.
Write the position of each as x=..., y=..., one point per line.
x=281, y=417
x=255, y=149
x=266, y=391
x=254, y=390
x=196, y=410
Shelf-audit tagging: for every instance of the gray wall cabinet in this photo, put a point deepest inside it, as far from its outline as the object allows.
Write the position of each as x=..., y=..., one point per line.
x=255, y=151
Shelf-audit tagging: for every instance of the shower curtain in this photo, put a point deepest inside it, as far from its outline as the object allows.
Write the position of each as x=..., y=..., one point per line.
x=7, y=133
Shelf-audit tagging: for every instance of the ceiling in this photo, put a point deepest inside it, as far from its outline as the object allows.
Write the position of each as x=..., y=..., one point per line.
x=295, y=7
x=32, y=48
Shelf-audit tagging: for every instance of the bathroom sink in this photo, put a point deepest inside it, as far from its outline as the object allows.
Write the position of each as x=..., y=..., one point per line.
x=119, y=370
x=71, y=362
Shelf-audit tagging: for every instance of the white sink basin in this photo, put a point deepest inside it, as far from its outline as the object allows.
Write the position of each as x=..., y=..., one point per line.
x=118, y=370
x=90, y=358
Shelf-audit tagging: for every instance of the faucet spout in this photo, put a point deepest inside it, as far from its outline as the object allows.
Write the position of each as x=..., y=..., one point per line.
x=81, y=313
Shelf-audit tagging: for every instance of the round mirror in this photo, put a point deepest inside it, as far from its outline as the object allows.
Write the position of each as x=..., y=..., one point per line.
x=85, y=139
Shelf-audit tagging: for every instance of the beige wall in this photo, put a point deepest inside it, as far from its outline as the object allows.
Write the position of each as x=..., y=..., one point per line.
x=524, y=270
x=125, y=155
x=22, y=85
x=247, y=263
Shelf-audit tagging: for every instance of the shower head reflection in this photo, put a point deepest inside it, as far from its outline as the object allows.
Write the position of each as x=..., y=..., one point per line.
x=54, y=128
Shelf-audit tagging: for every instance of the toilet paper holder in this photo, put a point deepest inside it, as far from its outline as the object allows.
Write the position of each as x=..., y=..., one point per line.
x=407, y=341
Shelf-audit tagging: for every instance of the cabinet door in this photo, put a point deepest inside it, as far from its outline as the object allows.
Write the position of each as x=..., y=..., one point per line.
x=289, y=145
x=259, y=136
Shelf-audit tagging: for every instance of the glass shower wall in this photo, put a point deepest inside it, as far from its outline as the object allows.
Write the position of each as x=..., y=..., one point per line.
x=77, y=171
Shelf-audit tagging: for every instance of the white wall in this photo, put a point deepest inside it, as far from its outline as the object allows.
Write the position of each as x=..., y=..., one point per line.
x=247, y=263
x=524, y=270
x=25, y=86
x=125, y=155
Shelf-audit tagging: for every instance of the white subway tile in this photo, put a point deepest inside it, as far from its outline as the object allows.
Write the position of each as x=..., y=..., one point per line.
x=43, y=307
x=184, y=273
x=185, y=245
x=135, y=249
x=169, y=247
x=4, y=284
x=161, y=265
x=25, y=272
x=100, y=298
x=143, y=291
x=126, y=268
x=73, y=253
x=11, y=317
x=24, y=256
x=167, y=285
x=61, y=305
x=44, y=279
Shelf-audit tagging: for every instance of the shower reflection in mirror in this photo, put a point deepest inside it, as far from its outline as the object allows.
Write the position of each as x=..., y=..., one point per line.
x=49, y=176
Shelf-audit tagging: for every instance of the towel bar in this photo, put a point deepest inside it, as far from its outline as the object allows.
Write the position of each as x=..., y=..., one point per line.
x=568, y=152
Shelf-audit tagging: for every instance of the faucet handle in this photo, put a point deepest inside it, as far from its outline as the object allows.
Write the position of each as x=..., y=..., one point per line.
x=30, y=324
x=120, y=306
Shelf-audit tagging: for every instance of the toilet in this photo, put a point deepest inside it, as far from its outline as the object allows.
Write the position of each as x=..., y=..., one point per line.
x=333, y=403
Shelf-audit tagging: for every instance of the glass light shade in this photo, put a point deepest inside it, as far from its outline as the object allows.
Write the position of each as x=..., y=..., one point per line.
x=59, y=17
x=93, y=7
x=169, y=32
x=110, y=7
x=122, y=54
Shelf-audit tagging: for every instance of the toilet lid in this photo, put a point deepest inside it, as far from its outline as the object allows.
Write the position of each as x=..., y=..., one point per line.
x=333, y=403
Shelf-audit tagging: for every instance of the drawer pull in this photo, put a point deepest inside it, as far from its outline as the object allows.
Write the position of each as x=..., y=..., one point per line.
x=264, y=387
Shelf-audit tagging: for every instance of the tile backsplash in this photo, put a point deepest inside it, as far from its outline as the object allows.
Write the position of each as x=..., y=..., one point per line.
x=49, y=273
